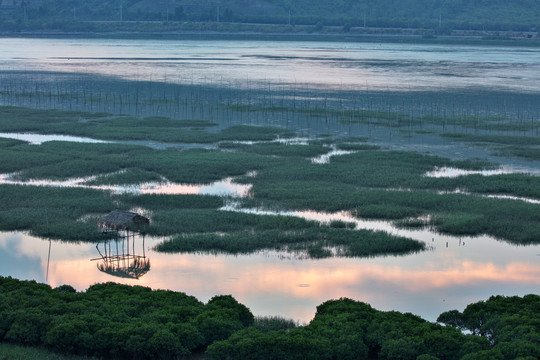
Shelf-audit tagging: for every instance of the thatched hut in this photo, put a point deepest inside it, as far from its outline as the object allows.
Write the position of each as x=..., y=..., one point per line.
x=119, y=255
x=120, y=220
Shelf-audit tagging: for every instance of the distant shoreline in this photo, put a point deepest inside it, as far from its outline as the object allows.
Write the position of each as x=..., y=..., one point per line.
x=284, y=33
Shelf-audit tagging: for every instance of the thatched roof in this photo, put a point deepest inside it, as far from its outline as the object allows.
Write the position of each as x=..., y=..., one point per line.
x=124, y=220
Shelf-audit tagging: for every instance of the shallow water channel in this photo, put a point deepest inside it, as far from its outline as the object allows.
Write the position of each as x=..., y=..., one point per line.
x=225, y=187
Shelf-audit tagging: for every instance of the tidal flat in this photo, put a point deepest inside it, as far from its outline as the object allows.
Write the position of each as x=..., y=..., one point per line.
x=317, y=187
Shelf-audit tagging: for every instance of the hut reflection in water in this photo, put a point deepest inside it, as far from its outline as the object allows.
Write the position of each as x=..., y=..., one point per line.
x=120, y=254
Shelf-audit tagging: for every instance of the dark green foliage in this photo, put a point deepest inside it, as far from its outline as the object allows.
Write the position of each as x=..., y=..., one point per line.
x=65, y=289
x=125, y=322
x=228, y=303
x=427, y=357
x=354, y=330
x=511, y=324
x=115, y=321
x=252, y=344
x=18, y=352
x=273, y=323
x=492, y=354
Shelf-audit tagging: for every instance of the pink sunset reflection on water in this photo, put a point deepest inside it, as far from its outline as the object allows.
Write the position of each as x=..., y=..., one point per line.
x=272, y=283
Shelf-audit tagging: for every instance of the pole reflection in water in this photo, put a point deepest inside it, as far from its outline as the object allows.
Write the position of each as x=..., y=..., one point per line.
x=48, y=262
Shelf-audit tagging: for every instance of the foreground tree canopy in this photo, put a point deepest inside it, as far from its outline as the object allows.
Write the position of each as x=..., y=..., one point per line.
x=133, y=322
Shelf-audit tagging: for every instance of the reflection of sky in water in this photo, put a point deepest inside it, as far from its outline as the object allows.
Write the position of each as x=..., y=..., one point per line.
x=339, y=65
x=37, y=139
x=447, y=172
x=455, y=273
x=225, y=187
x=325, y=158
x=17, y=261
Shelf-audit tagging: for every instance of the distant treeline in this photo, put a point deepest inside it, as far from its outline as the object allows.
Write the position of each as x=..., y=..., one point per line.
x=442, y=15
x=133, y=322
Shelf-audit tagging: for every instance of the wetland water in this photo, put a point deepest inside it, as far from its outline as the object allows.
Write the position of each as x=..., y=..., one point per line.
x=361, y=66
x=453, y=273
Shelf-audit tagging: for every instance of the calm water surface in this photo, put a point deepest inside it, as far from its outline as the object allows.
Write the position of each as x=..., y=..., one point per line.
x=454, y=273
x=367, y=66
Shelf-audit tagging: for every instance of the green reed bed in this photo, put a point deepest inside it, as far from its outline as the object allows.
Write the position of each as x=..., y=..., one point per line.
x=129, y=176
x=7, y=143
x=278, y=149
x=203, y=220
x=356, y=147
x=26, y=119
x=521, y=185
x=515, y=221
x=398, y=116
x=363, y=183
x=370, y=183
x=201, y=166
x=126, y=128
x=254, y=133
x=160, y=202
x=20, y=119
x=22, y=158
x=63, y=160
x=72, y=214
x=202, y=228
x=520, y=151
x=495, y=139
x=53, y=212
x=126, y=132
x=368, y=168
x=316, y=242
